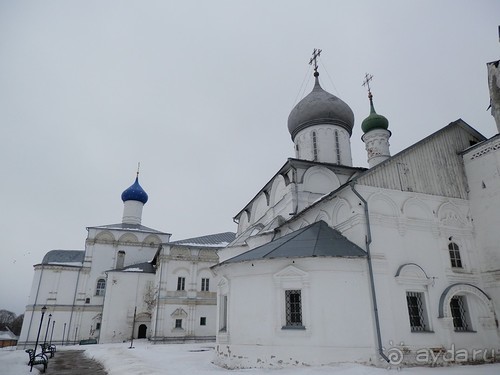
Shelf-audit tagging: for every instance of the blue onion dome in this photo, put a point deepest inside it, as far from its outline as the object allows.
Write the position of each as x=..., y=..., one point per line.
x=320, y=107
x=374, y=120
x=135, y=193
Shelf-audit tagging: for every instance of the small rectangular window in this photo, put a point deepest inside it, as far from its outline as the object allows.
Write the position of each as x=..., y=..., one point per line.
x=459, y=313
x=293, y=301
x=416, y=311
x=178, y=323
x=205, y=286
x=456, y=260
x=87, y=300
x=101, y=287
x=203, y=321
x=98, y=326
x=181, y=283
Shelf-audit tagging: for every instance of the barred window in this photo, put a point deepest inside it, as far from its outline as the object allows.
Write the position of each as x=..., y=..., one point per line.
x=456, y=261
x=101, y=287
x=181, y=283
x=416, y=311
x=293, y=302
x=178, y=323
x=459, y=313
x=205, y=286
x=203, y=321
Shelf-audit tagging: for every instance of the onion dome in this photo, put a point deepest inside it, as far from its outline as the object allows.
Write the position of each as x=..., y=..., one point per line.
x=374, y=120
x=135, y=193
x=320, y=107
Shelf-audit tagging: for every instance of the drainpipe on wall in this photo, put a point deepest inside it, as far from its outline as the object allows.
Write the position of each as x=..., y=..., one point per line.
x=370, y=271
x=159, y=268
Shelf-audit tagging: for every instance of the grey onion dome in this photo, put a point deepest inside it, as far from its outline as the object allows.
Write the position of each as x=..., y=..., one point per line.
x=320, y=107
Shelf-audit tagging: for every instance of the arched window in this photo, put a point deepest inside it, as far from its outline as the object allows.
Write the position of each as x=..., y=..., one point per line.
x=120, y=259
x=456, y=261
x=101, y=287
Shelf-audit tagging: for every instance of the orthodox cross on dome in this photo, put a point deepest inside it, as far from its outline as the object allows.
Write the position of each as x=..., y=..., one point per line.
x=366, y=82
x=314, y=59
x=138, y=168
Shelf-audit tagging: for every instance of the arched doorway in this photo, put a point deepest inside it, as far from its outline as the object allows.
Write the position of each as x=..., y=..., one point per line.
x=141, y=334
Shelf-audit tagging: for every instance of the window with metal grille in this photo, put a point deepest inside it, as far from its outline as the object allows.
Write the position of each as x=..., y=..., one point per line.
x=315, y=146
x=456, y=261
x=203, y=321
x=459, y=314
x=100, y=288
x=205, y=285
x=181, y=283
x=178, y=323
x=416, y=311
x=293, y=301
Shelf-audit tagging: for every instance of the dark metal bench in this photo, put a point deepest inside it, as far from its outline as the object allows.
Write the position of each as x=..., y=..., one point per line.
x=47, y=348
x=37, y=359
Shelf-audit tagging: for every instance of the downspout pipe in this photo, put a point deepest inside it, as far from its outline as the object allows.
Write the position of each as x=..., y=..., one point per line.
x=159, y=269
x=370, y=271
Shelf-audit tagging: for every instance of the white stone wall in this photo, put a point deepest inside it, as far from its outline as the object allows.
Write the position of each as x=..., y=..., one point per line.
x=190, y=304
x=125, y=292
x=337, y=327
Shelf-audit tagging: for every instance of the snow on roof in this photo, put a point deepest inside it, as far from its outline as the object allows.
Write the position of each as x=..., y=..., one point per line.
x=211, y=240
x=145, y=267
x=75, y=257
x=129, y=227
x=8, y=335
x=315, y=240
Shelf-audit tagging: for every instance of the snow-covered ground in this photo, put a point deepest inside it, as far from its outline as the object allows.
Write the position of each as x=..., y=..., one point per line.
x=195, y=359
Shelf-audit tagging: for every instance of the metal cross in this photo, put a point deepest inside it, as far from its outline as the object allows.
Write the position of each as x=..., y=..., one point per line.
x=138, y=168
x=366, y=82
x=314, y=58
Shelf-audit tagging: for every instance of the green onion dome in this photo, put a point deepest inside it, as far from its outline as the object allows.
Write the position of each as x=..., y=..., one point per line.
x=374, y=120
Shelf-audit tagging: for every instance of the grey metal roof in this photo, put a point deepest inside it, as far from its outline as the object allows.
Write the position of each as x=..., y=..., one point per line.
x=124, y=226
x=211, y=240
x=320, y=107
x=64, y=256
x=145, y=267
x=315, y=240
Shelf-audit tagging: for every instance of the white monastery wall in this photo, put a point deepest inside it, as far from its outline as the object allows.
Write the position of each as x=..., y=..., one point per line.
x=125, y=291
x=327, y=285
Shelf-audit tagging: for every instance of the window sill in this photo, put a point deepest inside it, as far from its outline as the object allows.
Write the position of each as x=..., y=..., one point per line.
x=422, y=331
x=469, y=331
x=294, y=328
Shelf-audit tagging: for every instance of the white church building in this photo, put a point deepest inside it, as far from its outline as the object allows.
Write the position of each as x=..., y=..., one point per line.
x=399, y=262
x=130, y=279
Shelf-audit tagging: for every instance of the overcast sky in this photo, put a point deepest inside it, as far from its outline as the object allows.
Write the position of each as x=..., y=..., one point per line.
x=199, y=93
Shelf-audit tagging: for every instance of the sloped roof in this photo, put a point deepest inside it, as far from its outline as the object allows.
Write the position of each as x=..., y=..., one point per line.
x=145, y=267
x=124, y=226
x=315, y=240
x=67, y=257
x=211, y=240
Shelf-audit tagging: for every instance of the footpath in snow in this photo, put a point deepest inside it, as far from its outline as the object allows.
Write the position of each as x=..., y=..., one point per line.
x=195, y=359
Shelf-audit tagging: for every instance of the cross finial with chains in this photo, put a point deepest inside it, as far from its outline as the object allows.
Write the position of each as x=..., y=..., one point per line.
x=314, y=59
x=366, y=82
